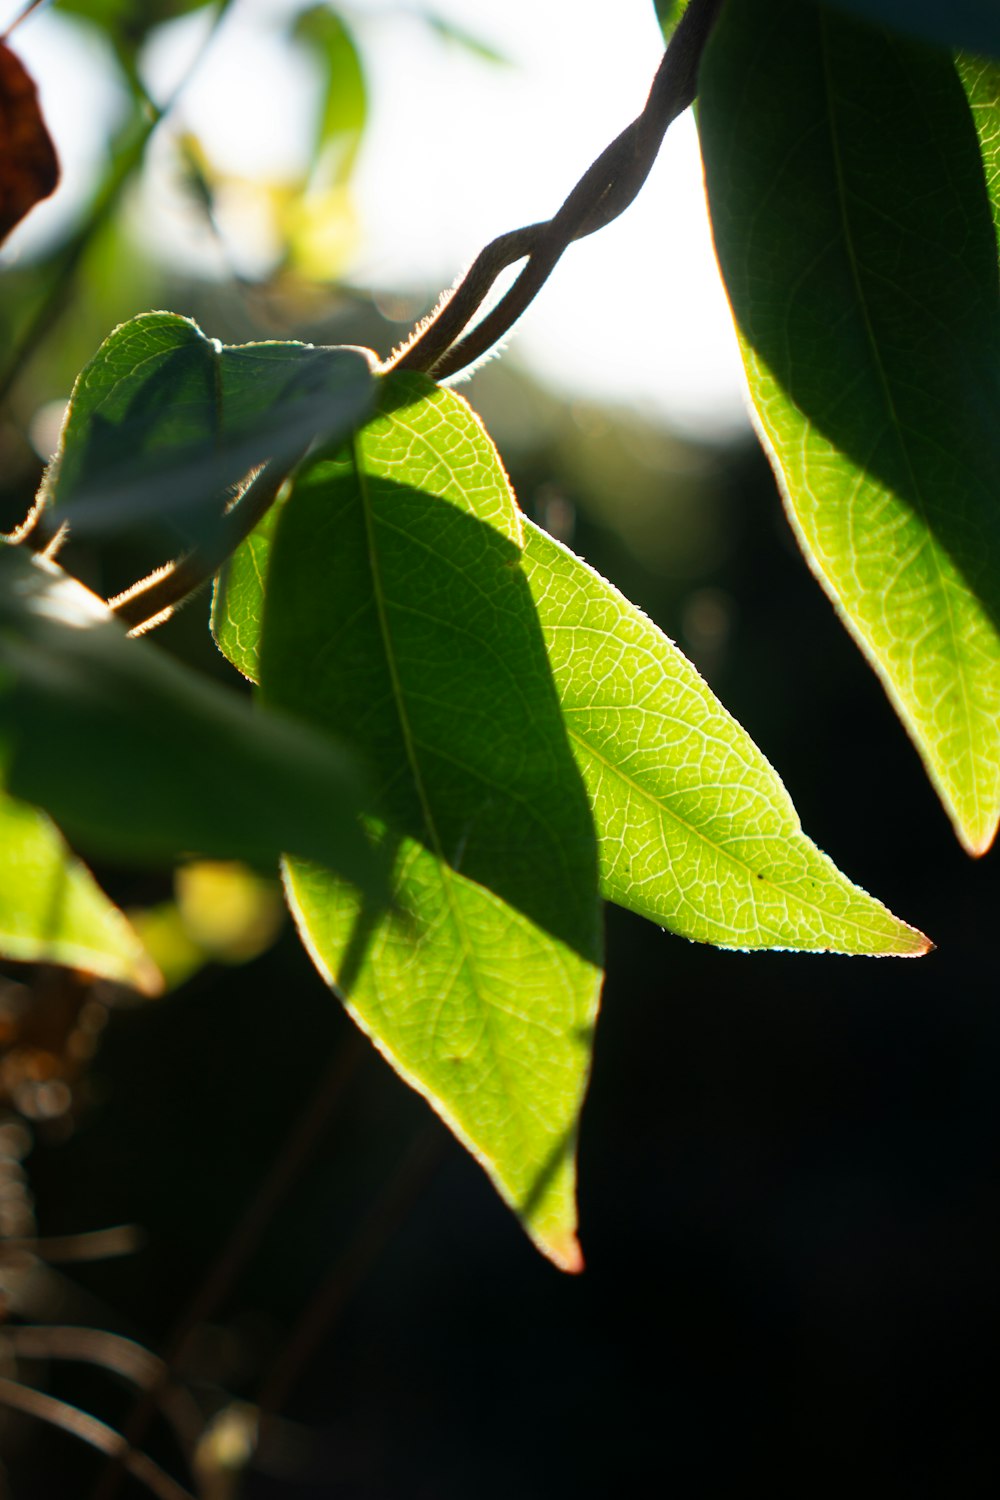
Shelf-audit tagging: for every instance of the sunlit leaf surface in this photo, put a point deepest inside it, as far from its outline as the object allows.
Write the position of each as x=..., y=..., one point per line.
x=854, y=232
x=696, y=830
x=397, y=611
x=53, y=911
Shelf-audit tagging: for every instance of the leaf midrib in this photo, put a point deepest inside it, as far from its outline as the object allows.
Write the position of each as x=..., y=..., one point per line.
x=721, y=853
x=409, y=742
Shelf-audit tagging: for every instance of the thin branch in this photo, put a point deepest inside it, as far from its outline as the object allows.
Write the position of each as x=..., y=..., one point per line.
x=117, y=1355
x=89, y=1430
x=604, y=191
x=352, y=1265
x=242, y=1243
x=97, y=1244
x=23, y=16
x=151, y=601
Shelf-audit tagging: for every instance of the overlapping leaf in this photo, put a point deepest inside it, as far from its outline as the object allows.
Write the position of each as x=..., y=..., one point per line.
x=397, y=611
x=137, y=757
x=53, y=911
x=854, y=232
x=162, y=420
x=380, y=596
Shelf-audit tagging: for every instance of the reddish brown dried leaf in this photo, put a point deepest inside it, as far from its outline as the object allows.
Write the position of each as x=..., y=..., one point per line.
x=29, y=168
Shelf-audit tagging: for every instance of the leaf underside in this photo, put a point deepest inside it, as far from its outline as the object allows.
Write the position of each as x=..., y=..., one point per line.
x=855, y=235
x=412, y=539
x=396, y=606
x=163, y=421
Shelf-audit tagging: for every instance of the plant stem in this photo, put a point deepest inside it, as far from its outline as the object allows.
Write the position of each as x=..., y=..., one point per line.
x=604, y=191
x=151, y=601
x=89, y=1430
x=243, y=1241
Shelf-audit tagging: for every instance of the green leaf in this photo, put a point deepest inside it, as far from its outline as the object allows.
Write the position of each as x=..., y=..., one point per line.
x=344, y=110
x=53, y=911
x=411, y=541
x=856, y=239
x=162, y=420
x=974, y=24
x=137, y=757
x=461, y=37
x=981, y=81
x=397, y=611
x=695, y=828
x=668, y=13
x=697, y=832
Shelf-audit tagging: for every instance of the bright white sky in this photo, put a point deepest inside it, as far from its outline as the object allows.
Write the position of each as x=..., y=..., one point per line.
x=459, y=151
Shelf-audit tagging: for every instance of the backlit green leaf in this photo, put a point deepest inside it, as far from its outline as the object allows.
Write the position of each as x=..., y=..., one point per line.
x=163, y=420
x=137, y=757
x=52, y=910
x=393, y=610
x=855, y=235
x=344, y=107
x=696, y=830
x=397, y=612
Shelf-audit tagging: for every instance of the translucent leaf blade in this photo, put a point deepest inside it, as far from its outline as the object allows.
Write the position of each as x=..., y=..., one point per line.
x=53, y=911
x=855, y=235
x=396, y=610
x=697, y=831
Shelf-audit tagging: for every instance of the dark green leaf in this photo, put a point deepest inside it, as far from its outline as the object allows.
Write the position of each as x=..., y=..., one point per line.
x=137, y=757
x=974, y=24
x=856, y=238
x=162, y=420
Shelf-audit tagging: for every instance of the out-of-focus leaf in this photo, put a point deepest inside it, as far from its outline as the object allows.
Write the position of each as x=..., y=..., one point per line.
x=344, y=108
x=460, y=36
x=855, y=235
x=396, y=607
x=130, y=20
x=29, y=169
x=137, y=757
x=223, y=913
x=163, y=420
x=52, y=910
x=696, y=830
